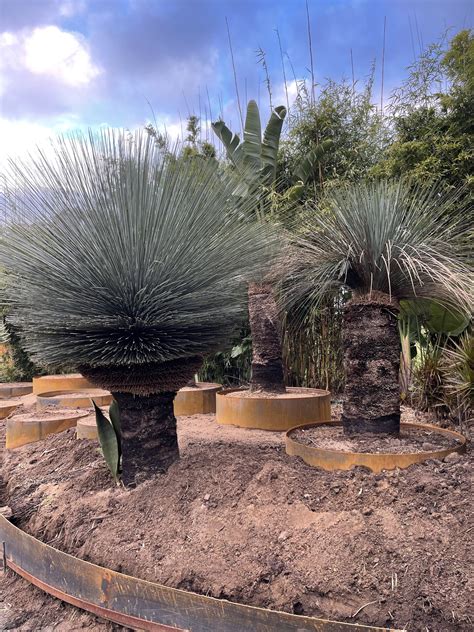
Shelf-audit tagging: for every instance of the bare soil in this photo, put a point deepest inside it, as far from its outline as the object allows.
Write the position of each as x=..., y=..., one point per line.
x=290, y=393
x=408, y=441
x=50, y=414
x=237, y=518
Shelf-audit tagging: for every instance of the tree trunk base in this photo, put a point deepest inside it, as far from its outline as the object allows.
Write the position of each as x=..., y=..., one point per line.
x=149, y=438
x=388, y=424
x=371, y=344
x=267, y=363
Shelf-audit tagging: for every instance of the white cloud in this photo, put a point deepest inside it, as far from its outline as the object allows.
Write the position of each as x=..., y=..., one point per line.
x=50, y=52
x=279, y=93
x=21, y=137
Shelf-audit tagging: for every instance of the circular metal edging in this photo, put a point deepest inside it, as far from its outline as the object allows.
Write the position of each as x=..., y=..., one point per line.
x=139, y=604
x=196, y=400
x=74, y=399
x=276, y=414
x=338, y=460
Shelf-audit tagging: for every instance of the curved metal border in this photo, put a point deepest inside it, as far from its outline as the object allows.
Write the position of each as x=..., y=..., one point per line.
x=65, y=382
x=7, y=407
x=15, y=389
x=140, y=604
x=277, y=414
x=197, y=400
x=338, y=460
x=70, y=399
x=21, y=431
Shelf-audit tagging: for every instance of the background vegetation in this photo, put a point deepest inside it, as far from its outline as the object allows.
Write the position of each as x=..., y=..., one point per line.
x=341, y=131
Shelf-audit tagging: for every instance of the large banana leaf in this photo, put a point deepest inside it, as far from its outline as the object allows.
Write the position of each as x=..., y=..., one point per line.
x=259, y=157
x=435, y=317
x=271, y=141
x=252, y=145
x=230, y=140
x=308, y=165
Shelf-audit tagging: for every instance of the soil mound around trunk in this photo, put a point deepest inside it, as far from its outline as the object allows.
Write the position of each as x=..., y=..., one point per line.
x=237, y=518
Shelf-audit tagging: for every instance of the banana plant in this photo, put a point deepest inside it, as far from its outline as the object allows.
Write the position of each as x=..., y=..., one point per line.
x=254, y=157
x=110, y=437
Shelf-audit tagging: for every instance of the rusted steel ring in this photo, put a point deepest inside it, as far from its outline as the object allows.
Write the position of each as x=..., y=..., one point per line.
x=338, y=460
x=143, y=605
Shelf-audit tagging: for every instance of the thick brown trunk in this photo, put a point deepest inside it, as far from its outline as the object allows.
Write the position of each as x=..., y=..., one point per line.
x=267, y=364
x=372, y=363
x=149, y=440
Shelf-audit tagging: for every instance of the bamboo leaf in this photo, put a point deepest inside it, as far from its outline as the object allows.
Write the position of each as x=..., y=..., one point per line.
x=108, y=441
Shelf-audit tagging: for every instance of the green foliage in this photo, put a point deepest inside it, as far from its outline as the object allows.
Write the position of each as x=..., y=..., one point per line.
x=312, y=346
x=382, y=236
x=110, y=439
x=123, y=257
x=432, y=118
x=338, y=137
x=15, y=363
x=434, y=317
x=457, y=370
x=254, y=158
x=231, y=367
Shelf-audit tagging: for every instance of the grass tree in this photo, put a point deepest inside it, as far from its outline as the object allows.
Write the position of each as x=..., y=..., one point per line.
x=381, y=242
x=255, y=160
x=129, y=267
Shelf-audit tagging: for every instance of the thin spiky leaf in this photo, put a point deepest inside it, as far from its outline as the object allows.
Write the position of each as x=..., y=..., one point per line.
x=114, y=414
x=109, y=442
x=124, y=258
x=385, y=236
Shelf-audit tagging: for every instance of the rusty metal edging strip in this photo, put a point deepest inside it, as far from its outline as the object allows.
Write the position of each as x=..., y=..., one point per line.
x=339, y=460
x=123, y=619
x=140, y=604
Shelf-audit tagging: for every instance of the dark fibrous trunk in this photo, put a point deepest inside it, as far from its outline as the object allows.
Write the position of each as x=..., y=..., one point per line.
x=372, y=362
x=144, y=379
x=149, y=439
x=267, y=364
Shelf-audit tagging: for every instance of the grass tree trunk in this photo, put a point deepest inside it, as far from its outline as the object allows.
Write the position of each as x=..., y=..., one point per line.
x=149, y=439
x=267, y=363
x=372, y=362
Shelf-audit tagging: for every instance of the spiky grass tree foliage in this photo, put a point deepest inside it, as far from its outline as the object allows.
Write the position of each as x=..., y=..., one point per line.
x=130, y=267
x=383, y=241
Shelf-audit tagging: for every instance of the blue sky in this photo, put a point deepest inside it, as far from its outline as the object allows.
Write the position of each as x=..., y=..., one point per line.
x=79, y=63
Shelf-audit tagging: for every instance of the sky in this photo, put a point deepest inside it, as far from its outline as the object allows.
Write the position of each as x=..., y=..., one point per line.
x=68, y=64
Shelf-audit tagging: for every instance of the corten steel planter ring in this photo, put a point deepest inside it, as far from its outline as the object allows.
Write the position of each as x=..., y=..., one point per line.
x=15, y=389
x=74, y=399
x=139, y=604
x=67, y=382
x=278, y=413
x=7, y=407
x=339, y=460
x=24, y=429
x=196, y=400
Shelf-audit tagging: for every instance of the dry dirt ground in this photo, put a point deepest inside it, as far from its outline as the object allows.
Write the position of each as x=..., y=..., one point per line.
x=237, y=518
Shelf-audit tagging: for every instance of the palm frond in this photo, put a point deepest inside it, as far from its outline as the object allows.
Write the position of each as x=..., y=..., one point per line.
x=122, y=256
x=384, y=236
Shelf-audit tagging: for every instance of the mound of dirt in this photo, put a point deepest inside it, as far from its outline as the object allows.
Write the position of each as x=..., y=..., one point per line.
x=237, y=518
